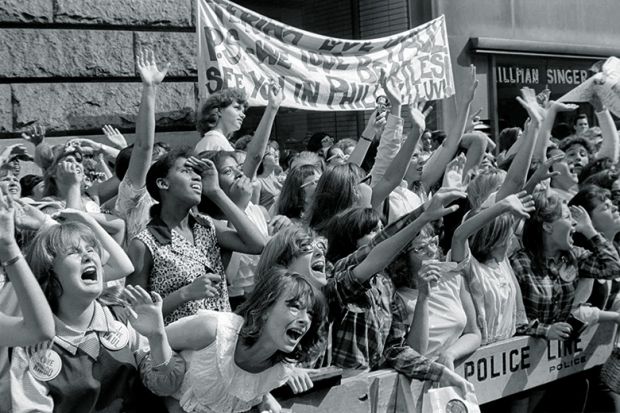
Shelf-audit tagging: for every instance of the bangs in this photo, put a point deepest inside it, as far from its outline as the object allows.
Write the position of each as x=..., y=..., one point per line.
x=301, y=293
x=70, y=236
x=55, y=241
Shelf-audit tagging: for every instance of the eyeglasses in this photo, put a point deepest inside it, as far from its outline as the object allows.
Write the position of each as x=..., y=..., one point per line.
x=425, y=245
x=312, y=182
x=319, y=243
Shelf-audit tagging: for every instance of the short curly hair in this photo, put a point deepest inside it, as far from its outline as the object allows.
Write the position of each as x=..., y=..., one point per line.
x=577, y=140
x=209, y=113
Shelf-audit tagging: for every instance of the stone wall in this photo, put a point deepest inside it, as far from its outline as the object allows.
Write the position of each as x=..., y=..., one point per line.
x=69, y=64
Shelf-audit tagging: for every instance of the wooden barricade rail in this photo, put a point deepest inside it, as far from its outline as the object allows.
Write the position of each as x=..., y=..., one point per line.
x=497, y=370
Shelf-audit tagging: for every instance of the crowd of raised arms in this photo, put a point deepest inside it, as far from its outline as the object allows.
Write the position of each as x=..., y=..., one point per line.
x=150, y=278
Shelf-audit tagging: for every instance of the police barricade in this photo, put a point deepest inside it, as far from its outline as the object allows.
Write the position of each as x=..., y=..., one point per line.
x=496, y=371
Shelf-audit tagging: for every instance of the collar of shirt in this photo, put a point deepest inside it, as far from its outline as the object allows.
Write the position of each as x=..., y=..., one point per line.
x=71, y=339
x=160, y=230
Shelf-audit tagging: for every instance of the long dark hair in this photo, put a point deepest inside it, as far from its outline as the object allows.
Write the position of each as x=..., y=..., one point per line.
x=346, y=228
x=336, y=191
x=291, y=200
x=267, y=291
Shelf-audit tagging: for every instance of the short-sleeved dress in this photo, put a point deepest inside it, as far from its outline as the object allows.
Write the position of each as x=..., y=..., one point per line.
x=214, y=383
x=177, y=263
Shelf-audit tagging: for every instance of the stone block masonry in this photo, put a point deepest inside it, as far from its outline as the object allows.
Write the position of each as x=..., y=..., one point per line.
x=70, y=64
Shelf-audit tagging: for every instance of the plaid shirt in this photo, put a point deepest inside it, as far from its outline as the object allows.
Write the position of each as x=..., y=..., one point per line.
x=363, y=324
x=547, y=297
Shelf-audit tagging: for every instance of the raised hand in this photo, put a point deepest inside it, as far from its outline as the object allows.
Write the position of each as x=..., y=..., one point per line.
x=453, y=177
x=34, y=135
x=28, y=217
x=535, y=112
x=278, y=223
x=520, y=205
x=70, y=173
x=543, y=98
x=75, y=215
x=147, y=317
x=435, y=208
x=418, y=114
x=392, y=91
x=472, y=85
x=584, y=223
x=7, y=220
x=543, y=171
x=241, y=190
x=207, y=170
x=276, y=95
x=12, y=151
x=147, y=67
x=114, y=136
x=563, y=107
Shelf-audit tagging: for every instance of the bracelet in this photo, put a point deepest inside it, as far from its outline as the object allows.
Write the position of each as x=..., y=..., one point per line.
x=365, y=138
x=10, y=262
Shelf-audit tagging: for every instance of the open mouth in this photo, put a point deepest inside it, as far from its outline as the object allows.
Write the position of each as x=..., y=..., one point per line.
x=318, y=265
x=576, y=168
x=90, y=274
x=294, y=333
x=196, y=187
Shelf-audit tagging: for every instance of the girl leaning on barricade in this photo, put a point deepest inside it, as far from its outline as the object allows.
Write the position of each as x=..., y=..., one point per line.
x=549, y=267
x=235, y=359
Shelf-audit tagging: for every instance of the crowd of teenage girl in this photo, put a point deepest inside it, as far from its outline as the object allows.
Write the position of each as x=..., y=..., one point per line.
x=150, y=278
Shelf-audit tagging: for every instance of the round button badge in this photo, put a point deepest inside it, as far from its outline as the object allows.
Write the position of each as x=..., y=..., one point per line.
x=117, y=338
x=45, y=365
x=456, y=406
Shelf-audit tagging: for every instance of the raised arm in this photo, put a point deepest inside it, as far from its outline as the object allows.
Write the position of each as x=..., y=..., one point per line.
x=258, y=144
x=516, y=177
x=391, y=137
x=544, y=133
x=520, y=205
x=245, y=237
x=118, y=265
x=37, y=321
x=374, y=127
x=142, y=152
x=436, y=164
x=385, y=252
x=398, y=167
x=611, y=145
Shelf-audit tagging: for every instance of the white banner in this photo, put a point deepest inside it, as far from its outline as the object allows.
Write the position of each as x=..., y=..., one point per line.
x=240, y=48
x=605, y=84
